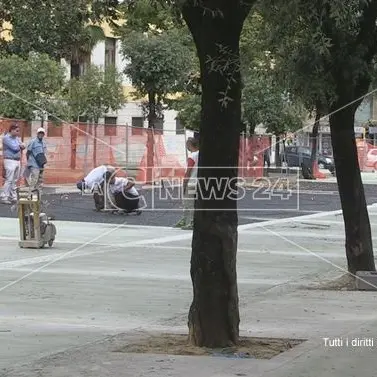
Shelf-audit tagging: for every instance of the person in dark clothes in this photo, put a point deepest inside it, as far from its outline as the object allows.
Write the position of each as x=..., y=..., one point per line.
x=123, y=193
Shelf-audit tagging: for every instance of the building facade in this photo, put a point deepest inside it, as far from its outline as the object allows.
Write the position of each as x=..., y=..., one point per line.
x=107, y=53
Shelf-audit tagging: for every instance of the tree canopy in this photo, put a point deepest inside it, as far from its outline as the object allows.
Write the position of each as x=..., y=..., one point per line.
x=93, y=94
x=327, y=52
x=159, y=54
x=150, y=16
x=29, y=85
x=53, y=27
x=157, y=63
x=188, y=109
x=312, y=41
x=264, y=102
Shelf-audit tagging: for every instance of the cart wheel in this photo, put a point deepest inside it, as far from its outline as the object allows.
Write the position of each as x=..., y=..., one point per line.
x=50, y=243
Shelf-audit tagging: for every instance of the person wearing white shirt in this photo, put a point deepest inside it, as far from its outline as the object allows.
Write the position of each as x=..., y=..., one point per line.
x=123, y=191
x=94, y=182
x=95, y=178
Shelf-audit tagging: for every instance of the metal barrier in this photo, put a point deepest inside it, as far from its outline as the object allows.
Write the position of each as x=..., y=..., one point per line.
x=148, y=155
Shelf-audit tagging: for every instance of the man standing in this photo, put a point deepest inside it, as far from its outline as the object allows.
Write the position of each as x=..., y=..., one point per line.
x=189, y=185
x=12, y=147
x=36, y=161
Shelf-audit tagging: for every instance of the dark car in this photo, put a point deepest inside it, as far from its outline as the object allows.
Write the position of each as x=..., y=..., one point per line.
x=295, y=156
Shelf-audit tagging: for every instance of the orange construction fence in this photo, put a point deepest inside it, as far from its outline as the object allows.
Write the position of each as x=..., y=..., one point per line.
x=367, y=153
x=75, y=149
x=251, y=155
x=149, y=155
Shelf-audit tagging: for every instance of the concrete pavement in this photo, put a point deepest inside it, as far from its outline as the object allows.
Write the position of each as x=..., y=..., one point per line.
x=104, y=280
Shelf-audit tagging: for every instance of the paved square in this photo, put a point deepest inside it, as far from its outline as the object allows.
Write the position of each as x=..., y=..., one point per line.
x=104, y=279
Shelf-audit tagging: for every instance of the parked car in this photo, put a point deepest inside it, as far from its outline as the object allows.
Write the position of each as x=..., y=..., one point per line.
x=295, y=156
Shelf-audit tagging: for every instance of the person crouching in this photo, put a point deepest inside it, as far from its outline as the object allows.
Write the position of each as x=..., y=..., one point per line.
x=122, y=192
x=94, y=183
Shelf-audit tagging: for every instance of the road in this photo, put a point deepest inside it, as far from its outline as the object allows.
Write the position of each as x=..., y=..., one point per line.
x=164, y=210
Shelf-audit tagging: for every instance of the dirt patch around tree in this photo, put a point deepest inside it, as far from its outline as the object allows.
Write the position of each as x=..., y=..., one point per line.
x=178, y=344
x=345, y=282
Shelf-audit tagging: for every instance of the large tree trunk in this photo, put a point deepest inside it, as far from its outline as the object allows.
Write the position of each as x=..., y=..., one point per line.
x=314, y=143
x=214, y=315
x=359, y=248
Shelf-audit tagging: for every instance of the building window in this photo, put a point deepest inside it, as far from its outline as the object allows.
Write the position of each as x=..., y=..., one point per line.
x=110, y=126
x=179, y=128
x=137, y=126
x=110, y=52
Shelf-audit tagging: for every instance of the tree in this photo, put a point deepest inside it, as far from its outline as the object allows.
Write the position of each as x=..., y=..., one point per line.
x=334, y=48
x=158, y=66
x=149, y=16
x=266, y=98
x=53, y=27
x=94, y=94
x=216, y=27
x=30, y=86
x=259, y=93
x=160, y=52
x=305, y=84
x=254, y=45
x=188, y=108
x=265, y=102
